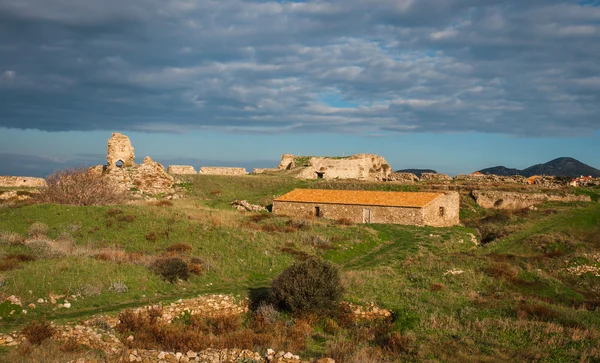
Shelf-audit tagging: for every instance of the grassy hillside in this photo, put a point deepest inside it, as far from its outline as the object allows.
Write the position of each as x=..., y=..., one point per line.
x=521, y=296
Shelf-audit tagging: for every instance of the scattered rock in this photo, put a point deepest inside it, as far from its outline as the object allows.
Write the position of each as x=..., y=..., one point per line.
x=243, y=205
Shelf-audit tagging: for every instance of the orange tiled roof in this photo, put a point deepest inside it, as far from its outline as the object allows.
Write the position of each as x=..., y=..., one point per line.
x=360, y=197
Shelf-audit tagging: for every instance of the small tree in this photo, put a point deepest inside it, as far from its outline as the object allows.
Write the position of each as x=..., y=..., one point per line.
x=311, y=286
x=80, y=186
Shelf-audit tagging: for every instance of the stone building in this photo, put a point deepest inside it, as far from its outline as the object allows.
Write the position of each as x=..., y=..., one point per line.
x=361, y=206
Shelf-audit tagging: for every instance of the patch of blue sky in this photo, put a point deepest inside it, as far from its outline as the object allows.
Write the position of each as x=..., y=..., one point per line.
x=336, y=100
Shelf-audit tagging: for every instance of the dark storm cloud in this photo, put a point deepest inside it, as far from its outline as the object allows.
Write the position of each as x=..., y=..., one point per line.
x=512, y=66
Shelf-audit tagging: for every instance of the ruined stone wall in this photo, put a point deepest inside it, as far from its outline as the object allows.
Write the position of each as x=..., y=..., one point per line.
x=22, y=182
x=218, y=170
x=491, y=178
x=432, y=216
x=512, y=200
x=355, y=213
x=360, y=166
x=435, y=177
x=181, y=169
x=119, y=149
x=264, y=170
x=405, y=178
x=287, y=162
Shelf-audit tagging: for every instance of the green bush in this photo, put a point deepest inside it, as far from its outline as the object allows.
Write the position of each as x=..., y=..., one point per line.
x=172, y=269
x=311, y=286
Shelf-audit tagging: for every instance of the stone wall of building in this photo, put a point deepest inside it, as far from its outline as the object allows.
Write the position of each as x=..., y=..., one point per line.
x=218, y=170
x=434, y=215
x=181, y=170
x=22, y=182
x=355, y=213
x=511, y=200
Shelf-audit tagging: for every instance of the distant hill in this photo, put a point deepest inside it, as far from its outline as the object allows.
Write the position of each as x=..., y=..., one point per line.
x=417, y=172
x=501, y=170
x=559, y=167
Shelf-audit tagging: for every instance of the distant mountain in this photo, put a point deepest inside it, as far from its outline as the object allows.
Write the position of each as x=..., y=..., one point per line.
x=558, y=167
x=417, y=172
x=501, y=170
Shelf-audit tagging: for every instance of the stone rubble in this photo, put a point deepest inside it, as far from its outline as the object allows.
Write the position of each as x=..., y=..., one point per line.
x=98, y=333
x=243, y=205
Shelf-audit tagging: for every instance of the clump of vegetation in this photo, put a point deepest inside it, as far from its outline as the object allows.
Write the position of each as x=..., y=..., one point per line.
x=37, y=230
x=171, y=269
x=79, y=186
x=310, y=286
x=118, y=287
x=11, y=238
x=180, y=248
x=38, y=331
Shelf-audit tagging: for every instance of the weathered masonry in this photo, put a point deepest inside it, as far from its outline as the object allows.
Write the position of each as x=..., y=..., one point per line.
x=361, y=206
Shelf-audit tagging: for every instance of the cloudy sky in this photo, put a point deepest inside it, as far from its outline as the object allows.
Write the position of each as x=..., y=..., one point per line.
x=454, y=85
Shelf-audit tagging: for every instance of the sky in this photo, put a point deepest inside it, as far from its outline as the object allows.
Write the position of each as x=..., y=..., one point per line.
x=450, y=85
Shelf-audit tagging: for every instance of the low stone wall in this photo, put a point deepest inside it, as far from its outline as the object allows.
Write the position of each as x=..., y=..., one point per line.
x=435, y=177
x=264, y=170
x=219, y=170
x=181, y=169
x=22, y=182
x=405, y=178
x=512, y=200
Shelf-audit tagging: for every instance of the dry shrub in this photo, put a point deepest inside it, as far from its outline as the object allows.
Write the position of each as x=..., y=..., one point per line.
x=397, y=343
x=541, y=312
x=299, y=224
x=344, y=222
x=216, y=325
x=13, y=261
x=340, y=350
x=317, y=241
x=11, y=238
x=113, y=212
x=7, y=264
x=436, y=287
x=171, y=269
x=266, y=315
x=215, y=192
x=163, y=203
x=120, y=256
x=502, y=270
x=260, y=217
x=79, y=186
x=195, y=268
x=37, y=230
x=127, y=218
x=330, y=326
x=70, y=345
x=180, y=248
x=152, y=237
x=38, y=331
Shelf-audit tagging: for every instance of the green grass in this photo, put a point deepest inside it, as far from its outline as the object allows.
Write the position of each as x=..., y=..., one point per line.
x=476, y=315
